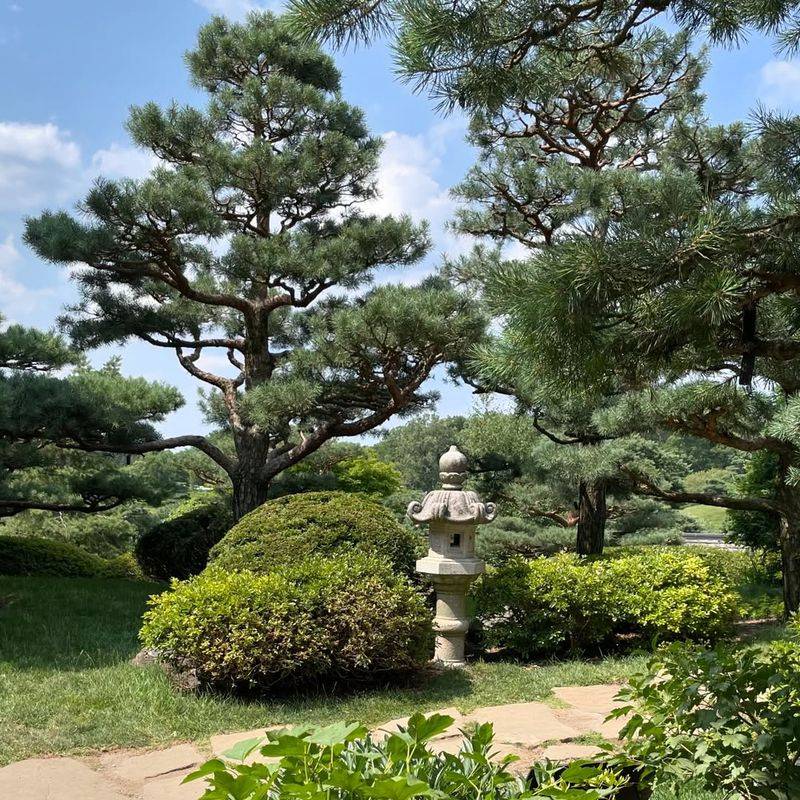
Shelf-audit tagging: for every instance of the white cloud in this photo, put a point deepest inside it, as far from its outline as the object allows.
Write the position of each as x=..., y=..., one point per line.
x=118, y=161
x=42, y=165
x=407, y=181
x=236, y=9
x=38, y=164
x=9, y=254
x=38, y=143
x=16, y=298
x=780, y=83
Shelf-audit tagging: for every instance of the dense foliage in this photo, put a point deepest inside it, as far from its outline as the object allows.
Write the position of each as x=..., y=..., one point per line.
x=727, y=718
x=179, y=546
x=291, y=528
x=316, y=621
x=749, y=528
x=343, y=761
x=415, y=446
x=45, y=419
x=35, y=556
x=565, y=603
x=239, y=235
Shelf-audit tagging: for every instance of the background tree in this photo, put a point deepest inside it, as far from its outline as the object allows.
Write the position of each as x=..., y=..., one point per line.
x=37, y=409
x=415, y=446
x=546, y=478
x=234, y=245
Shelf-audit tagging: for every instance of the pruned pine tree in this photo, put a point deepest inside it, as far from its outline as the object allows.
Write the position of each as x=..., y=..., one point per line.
x=572, y=128
x=474, y=53
x=692, y=298
x=234, y=245
x=572, y=478
x=39, y=408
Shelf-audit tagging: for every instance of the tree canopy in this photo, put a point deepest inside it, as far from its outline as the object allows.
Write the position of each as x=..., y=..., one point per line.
x=233, y=246
x=50, y=422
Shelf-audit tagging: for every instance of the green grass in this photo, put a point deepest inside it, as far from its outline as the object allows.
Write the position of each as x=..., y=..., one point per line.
x=709, y=518
x=66, y=684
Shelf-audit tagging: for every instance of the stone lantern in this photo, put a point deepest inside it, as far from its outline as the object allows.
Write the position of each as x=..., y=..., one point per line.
x=452, y=516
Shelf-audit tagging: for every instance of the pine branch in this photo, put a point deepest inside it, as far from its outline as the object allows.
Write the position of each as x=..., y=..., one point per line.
x=644, y=486
x=8, y=508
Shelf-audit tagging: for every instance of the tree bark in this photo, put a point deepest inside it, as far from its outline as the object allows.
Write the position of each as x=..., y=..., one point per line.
x=250, y=479
x=592, y=513
x=790, y=562
x=788, y=497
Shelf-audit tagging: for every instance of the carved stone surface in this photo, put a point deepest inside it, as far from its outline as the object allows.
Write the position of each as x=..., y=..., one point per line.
x=452, y=515
x=454, y=505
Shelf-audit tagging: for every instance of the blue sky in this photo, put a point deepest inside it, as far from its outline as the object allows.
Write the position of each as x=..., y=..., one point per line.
x=69, y=72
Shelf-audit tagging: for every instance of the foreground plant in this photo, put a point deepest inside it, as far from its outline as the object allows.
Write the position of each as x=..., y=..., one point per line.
x=727, y=718
x=343, y=761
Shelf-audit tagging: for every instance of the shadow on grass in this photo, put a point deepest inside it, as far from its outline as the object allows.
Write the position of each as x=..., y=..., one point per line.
x=69, y=623
x=82, y=623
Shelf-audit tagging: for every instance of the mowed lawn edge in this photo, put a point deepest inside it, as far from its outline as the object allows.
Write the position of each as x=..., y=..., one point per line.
x=67, y=685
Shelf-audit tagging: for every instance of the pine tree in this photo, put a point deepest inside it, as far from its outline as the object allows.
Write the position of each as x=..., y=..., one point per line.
x=48, y=425
x=234, y=246
x=473, y=53
x=549, y=153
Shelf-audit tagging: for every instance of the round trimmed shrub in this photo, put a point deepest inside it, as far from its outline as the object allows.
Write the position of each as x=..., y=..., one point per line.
x=179, y=546
x=293, y=527
x=549, y=605
x=316, y=621
x=32, y=555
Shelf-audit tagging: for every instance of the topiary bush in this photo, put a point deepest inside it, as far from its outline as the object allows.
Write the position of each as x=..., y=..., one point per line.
x=316, y=523
x=31, y=555
x=566, y=603
x=179, y=547
x=319, y=620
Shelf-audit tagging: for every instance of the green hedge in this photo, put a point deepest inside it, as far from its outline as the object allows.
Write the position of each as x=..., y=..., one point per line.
x=316, y=523
x=179, y=546
x=36, y=556
x=320, y=620
x=565, y=603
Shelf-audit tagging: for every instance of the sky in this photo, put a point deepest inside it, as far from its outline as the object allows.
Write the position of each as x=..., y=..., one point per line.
x=70, y=71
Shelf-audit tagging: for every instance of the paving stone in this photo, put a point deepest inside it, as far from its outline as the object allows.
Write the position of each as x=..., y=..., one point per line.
x=527, y=724
x=525, y=757
x=566, y=751
x=582, y=721
x=50, y=778
x=171, y=788
x=394, y=725
x=224, y=741
x=447, y=744
x=598, y=699
x=141, y=766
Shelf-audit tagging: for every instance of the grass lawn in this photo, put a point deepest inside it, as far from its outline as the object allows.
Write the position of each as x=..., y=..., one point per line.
x=66, y=684
x=709, y=518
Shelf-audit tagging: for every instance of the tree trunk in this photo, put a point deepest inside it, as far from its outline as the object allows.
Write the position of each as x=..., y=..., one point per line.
x=591, y=530
x=250, y=481
x=790, y=558
x=788, y=497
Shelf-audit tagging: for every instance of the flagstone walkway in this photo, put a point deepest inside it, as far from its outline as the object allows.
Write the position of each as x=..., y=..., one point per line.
x=556, y=730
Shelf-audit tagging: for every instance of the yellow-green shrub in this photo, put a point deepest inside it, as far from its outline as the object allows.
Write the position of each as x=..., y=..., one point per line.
x=31, y=555
x=545, y=605
x=348, y=616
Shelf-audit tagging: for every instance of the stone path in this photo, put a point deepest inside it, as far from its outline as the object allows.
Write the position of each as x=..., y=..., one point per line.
x=530, y=730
